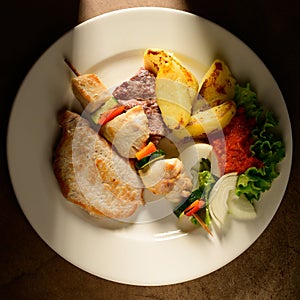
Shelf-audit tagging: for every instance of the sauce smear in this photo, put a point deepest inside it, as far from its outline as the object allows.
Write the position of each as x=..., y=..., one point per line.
x=233, y=152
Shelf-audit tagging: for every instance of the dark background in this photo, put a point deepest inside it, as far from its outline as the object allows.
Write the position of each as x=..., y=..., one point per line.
x=29, y=269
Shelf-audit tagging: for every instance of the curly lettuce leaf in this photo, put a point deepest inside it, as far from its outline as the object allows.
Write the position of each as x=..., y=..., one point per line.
x=268, y=146
x=246, y=97
x=256, y=181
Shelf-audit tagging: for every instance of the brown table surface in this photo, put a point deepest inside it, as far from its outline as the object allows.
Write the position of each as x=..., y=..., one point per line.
x=269, y=269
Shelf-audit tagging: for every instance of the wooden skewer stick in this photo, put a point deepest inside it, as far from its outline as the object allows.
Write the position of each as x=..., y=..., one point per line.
x=70, y=65
x=202, y=223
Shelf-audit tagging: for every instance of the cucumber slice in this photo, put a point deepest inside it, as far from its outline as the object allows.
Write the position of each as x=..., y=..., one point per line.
x=109, y=104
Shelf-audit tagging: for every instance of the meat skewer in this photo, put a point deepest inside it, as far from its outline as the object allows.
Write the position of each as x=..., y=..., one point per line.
x=142, y=117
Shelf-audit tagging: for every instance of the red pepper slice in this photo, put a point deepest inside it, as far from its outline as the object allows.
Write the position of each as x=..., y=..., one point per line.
x=194, y=207
x=110, y=114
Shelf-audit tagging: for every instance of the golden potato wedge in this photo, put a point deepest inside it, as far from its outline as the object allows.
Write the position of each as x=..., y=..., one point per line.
x=176, y=87
x=174, y=101
x=158, y=60
x=205, y=122
x=218, y=84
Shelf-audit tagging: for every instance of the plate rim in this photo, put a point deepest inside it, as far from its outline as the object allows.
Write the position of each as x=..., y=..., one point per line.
x=86, y=23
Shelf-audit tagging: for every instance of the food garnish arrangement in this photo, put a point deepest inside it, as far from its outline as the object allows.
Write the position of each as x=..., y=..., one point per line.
x=226, y=143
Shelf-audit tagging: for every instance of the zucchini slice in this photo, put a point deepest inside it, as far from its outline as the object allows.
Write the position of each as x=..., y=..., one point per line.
x=147, y=160
x=109, y=104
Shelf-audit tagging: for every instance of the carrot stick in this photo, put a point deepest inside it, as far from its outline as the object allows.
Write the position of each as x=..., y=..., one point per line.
x=194, y=207
x=150, y=148
x=110, y=114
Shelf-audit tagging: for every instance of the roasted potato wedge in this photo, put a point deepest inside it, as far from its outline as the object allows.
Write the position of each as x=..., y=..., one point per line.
x=174, y=101
x=176, y=87
x=160, y=61
x=205, y=122
x=218, y=84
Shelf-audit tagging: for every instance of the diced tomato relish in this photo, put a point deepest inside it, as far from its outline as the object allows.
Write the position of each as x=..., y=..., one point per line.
x=234, y=153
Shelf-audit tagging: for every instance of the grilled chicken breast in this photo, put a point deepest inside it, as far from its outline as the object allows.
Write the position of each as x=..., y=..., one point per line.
x=92, y=175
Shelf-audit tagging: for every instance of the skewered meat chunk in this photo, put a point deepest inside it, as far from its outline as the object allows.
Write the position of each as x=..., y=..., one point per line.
x=166, y=177
x=140, y=90
x=128, y=132
x=90, y=91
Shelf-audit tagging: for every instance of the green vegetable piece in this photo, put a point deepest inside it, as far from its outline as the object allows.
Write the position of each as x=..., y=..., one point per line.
x=197, y=194
x=147, y=160
x=109, y=104
x=204, y=165
x=255, y=181
x=206, y=182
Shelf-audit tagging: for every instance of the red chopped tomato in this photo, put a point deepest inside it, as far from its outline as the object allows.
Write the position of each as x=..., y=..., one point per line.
x=234, y=153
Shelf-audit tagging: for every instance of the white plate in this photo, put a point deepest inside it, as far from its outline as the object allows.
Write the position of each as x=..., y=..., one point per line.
x=147, y=253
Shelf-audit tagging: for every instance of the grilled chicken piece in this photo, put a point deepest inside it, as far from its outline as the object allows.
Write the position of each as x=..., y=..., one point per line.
x=92, y=175
x=166, y=177
x=128, y=132
x=90, y=91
